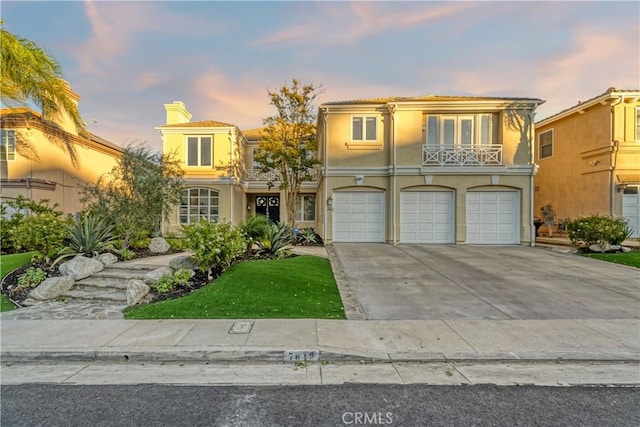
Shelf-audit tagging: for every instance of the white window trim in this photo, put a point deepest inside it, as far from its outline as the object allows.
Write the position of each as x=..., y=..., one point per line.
x=364, y=118
x=186, y=157
x=188, y=205
x=9, y=134
x=476, y=129
x=300, y=208
x=540, y=144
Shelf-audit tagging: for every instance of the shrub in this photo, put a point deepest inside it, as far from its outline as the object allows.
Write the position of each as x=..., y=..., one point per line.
x=43, y=232
x=88, y=236
x=279, y=237
x=255, y=229
x=213, y=244
x=20, y=208
x=126, y=254
x=602, y=229
x=169, y=282
x=307, y=236
x=31, y=278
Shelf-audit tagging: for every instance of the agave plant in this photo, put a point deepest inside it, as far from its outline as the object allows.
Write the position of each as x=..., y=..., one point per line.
x=88, y=236
x=278, y=238
x=255, y=229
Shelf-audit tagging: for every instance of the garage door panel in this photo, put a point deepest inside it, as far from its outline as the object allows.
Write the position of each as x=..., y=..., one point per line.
x=358, y=217
x=426, y=217
x=493, y=217
x=631, y=210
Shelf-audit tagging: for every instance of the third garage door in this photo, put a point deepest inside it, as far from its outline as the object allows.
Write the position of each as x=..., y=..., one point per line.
x=426, y=217
x=493, y=217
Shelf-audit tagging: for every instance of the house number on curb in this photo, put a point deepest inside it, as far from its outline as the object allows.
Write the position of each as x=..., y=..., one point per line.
x=301, y=355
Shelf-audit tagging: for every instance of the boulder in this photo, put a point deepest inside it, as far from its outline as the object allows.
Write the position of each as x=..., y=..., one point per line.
x=625, y=249
x=80, y=267
x=136, y=290
x=183, y=262
x=51, y=287
x=159, y=246
x=154, y=275
x=107, y=258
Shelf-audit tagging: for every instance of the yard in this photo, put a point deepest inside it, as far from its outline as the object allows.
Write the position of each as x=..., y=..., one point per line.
x=298, y=287
x=629, y=258
x=9, y=263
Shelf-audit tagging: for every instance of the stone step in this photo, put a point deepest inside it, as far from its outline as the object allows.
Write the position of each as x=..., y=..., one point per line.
x=125, y=266
x=93, y=282
x=93, y=295
x=120, y=273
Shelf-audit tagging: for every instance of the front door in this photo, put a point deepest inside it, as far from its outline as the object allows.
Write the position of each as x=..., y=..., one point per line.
x=268, y=206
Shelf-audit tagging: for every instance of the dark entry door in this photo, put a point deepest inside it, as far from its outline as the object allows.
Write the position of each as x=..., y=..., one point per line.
x=268, y=206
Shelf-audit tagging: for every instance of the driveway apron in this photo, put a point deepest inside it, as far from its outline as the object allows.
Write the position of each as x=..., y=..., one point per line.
x=486, y=282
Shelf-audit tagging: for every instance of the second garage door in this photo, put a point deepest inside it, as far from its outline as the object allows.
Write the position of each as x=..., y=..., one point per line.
x=358, y=216
x=426, y=217
x=493, y=217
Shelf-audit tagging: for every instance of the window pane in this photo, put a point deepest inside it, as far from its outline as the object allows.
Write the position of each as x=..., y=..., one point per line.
x=545, y=140
x=357, y=129
x=466, y=131
x=371, y=129
x=8, y=145
x=192, y=151
x=205, y=151
x=485, y=129
x=432, y=130
x=310, y=208
x=449, y=131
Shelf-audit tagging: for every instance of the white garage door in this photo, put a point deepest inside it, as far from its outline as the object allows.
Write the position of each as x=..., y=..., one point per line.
x=493, y=217
x=358, y=216
x=631, y=209
x=426, y=217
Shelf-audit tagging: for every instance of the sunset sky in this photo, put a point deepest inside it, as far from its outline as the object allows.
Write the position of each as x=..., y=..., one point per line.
x=126, y=59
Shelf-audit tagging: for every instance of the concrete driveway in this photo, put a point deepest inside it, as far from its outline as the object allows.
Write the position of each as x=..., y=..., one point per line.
x=486, y=282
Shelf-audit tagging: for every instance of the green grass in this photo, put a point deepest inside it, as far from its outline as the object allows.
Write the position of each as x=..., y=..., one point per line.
x=629, y=258
x=299, y=287
x=8, y=263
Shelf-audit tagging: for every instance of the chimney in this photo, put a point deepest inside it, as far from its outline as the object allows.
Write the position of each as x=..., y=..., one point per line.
x=177, y=113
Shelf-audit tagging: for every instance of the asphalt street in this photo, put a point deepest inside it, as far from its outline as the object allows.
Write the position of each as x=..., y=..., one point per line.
x=357, y=404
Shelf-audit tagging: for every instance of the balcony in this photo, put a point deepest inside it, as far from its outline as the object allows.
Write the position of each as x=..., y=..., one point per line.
x=257, y=175
x=462, y=155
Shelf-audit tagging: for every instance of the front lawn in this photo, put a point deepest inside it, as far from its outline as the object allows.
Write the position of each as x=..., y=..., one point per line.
x=8, y=263
x=629, y=258
x=298, y=287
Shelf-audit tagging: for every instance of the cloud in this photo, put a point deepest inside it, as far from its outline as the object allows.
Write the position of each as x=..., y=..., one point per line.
x=351, y=22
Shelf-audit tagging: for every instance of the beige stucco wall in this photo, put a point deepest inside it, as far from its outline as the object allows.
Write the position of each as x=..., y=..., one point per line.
x=581, y=176
x=51, y=162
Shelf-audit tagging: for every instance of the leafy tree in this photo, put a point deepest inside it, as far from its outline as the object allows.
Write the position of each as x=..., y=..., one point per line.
x=288, y=141
x=138, y=193
x=31, y=74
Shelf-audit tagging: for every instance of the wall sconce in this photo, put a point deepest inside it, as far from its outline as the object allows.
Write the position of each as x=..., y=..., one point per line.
x=330, y=203
x=621, y=187
x=248, y=207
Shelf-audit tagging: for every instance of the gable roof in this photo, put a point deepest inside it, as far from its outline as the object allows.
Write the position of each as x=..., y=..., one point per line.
x=429, y=98
x=252, y=134
x=199, y=124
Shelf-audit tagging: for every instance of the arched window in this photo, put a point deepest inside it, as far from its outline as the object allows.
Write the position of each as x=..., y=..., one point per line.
x=197, y=204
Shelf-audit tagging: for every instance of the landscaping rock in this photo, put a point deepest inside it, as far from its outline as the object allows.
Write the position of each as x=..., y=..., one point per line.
x=80, y=267
x=604, y=247
x=107, y=258
x=154, y=275
x=183, y=262
x=51, y=287
x=625, y=249
x=159, y=246
x=136, y=290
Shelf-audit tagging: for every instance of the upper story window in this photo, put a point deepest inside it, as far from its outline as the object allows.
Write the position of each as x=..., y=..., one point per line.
x=306, y=207
x=364, y=128
x=458, y=130
x=545, y=144
x=199, y=151
x=256, y=164
x=637, y=123
x=197, y=204
x=8, y=145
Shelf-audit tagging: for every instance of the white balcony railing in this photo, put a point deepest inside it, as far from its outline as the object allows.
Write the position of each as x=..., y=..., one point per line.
x=256, y=175
x=462, y=155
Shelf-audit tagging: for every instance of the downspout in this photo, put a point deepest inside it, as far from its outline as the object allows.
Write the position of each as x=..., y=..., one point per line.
x=614, y=154
x=231, y=177
x=534, y=170
x=325, y=126
x=392, y=111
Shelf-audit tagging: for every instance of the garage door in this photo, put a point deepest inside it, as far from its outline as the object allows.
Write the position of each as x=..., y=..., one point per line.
x=631, y=209
x=358, y=216
x=493, y=217
x=426, y=217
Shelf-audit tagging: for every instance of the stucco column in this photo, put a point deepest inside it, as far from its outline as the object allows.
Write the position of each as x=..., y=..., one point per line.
x=461, y=216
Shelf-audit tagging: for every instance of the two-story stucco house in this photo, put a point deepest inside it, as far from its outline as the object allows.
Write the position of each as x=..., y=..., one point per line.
x=589, y=159
x=35, y=160
x=223, y=180
x=433, y=169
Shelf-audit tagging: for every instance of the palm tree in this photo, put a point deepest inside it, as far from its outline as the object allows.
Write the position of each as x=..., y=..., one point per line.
x=30, y=74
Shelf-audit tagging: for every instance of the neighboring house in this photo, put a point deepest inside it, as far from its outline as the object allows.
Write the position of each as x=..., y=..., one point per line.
x=223, y=181
x=589, y=159
x=433, y=169
x=35, y=163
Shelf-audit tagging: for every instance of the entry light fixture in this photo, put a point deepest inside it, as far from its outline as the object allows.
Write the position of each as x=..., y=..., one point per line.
x=621, y=187
x=330, y=203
